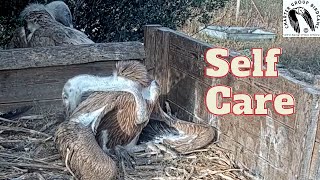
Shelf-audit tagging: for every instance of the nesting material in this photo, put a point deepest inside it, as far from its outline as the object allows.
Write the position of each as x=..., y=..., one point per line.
x=28, y=151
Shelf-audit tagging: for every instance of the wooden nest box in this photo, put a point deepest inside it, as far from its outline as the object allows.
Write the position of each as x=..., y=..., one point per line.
x=271, y=147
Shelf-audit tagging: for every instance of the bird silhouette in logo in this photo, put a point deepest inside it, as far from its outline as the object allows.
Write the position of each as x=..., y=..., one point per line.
x=294, y=20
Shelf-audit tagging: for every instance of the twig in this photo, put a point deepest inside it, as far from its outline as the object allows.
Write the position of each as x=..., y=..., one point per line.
x=219, y=148
x=7, y=120
x=31, y=117
x=25, y=158
x=176, y=169
x=225, y=177
x=143, y=161
x=51, y=158
x=146, y=167
x=165, y=178
x=19, y=169
x=190, y=174
x=254, y=4
x=47, y=125
x=10, y=176
x=249, y=175
x=34, y=166
x=40, y=176
x=249, y=19
x=125, y=174
x=21, y=129
x=24, y=140
x=219, y=172
x=195, y=151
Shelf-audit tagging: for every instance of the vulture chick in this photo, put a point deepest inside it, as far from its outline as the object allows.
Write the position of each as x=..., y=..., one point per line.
x=128, y=76
x=75, y=138
x=115, y=124
x=42, y=29
x=82, y=155
x=115, y=119
x=165, y=130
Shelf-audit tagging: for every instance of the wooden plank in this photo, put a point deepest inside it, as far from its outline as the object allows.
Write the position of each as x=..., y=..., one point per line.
x=250, y=131
x=156, y=45
x=161, y=59
x=274, y=143
x=68, y=55
x=285, y=143
x=318, y=133
x=259, y=167
x=45, y=83
x=187, y=55
x=188, y=93
x=150, y=46
x=315, y=163
x=306, y=132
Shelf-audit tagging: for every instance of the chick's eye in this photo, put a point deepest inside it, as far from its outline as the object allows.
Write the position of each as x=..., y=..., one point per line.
x=64, y=97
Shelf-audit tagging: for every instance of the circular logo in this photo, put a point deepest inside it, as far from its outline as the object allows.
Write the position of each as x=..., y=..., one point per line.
x=301, y=16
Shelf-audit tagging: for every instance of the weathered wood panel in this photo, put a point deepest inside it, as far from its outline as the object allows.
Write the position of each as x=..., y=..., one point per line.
x=150, y=42
x=266, y=137
x=273, y=146
x=187, y=54
x=44, y=83
x=185, y=91
x=307, y=120
x=180, y=112
x=318, y=132
x=69, y=55
x=315, y=163
x=157, y=55
x=258, y=166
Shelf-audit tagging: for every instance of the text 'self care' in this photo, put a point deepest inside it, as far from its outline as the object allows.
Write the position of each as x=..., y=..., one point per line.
x=243, y=67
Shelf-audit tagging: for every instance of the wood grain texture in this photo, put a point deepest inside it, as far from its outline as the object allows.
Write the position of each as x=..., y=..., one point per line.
x=69, y=55
x=273, y=146
x=315, y=163
x=150, y=45
x=187, y=54
x=44, y=83
x=189, y=93
x=157, y=54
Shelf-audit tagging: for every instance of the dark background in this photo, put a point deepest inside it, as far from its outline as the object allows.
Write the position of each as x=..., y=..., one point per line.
x=109, y=21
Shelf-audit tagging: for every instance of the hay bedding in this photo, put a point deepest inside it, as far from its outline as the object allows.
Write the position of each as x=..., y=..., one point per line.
x=28, y=151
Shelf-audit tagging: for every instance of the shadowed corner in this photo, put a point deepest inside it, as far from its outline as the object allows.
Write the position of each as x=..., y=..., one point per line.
x=15, y=112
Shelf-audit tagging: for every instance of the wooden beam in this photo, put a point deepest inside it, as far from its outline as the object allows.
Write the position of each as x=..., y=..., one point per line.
x=66, y=55
x=157, y=47
x=149, y=45
x=45, y=83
